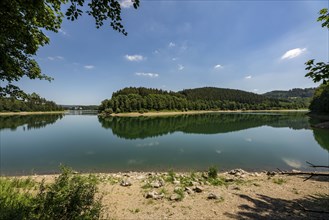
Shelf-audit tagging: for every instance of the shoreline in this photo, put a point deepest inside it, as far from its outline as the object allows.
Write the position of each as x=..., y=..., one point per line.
x=32, y=113
x=183, y=195
x=163, y=113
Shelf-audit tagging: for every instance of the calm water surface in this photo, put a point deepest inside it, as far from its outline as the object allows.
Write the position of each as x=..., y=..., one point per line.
x=252, y=141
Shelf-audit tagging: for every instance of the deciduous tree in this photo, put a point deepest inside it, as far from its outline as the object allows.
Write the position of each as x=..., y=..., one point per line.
x=23, y=24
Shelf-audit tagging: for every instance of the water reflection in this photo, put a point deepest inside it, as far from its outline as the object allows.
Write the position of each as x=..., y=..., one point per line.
x=322, y=137
x=12, y=122
x=144, y=127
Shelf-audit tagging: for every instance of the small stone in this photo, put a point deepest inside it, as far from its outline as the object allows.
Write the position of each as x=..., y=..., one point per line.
x=125, y=182
x=154, y=195
x=175, y=197
x=194, y=183
x=256, y=174
x=156, y=184
x=212, y=196
x=188, y=190
x=198, y=189
x=271, y=173
x=237, y=172
x=229, y=180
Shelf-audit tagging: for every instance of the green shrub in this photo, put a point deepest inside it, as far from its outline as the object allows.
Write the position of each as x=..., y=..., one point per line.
x=171, y=176
x=15, y=201
x=69, y=197
x=212, y=172
x=279, y=181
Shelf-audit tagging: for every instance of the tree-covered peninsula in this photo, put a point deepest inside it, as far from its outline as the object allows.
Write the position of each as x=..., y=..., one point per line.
x=142, y=99
x=27, y=103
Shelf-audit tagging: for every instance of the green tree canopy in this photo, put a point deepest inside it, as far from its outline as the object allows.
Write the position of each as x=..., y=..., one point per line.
x=23, y=24
x=319, y=71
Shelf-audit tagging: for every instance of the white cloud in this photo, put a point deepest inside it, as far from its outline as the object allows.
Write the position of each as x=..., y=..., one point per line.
x=218, y=66
x=293, y=53
x=62, y=32
x=126, y=3
x=55, y=58
x=134, y=57
x=171, y=44
x=151, y=75
x=180, y=67
x=255, y=90
x=174, y=59
x=156, y=52
x=89, y=67
x=248, y=77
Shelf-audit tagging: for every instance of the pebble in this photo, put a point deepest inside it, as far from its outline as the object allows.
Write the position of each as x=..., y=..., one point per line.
x=188, y=190
x=212, y=196
x=198, y=189
x=174, y=197
x=154, y=195
x=125, y=183
x=156, y=184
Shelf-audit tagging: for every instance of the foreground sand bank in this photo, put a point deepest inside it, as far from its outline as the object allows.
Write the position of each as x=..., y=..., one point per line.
x=241, y=196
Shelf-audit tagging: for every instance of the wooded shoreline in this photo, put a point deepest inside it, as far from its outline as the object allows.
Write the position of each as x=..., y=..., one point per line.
x=32, y=113
x=164, y=113
x=157, y=113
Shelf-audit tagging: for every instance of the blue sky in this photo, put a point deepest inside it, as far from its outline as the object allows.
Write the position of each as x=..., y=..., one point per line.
x=256, y=46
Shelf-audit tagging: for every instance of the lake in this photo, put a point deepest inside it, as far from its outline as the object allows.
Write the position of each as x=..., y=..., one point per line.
x=251, y=141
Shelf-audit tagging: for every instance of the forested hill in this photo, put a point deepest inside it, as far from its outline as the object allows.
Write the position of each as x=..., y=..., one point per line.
x=208, y=98
x=213, y=94
x=293, y=93
x=205, y=93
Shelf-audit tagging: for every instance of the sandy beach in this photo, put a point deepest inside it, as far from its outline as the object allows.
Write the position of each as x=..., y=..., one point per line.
x=242, y=195
x=169, y=113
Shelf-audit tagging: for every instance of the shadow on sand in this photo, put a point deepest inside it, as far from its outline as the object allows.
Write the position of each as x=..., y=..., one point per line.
x=265, y=207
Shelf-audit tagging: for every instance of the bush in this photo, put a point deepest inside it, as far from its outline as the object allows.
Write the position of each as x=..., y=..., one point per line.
x=15, y=199
x=69, y=197
x=212, y=172
x=320, y=101
x=108, y=111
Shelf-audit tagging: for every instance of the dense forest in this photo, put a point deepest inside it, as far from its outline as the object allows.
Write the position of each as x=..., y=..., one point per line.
x=29, y=103
x=291, y=94
x=208, y=98
x=320, y=101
